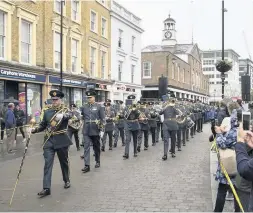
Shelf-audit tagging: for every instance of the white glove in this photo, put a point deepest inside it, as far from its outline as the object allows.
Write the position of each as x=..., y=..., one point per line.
x=59, y=117
x=101, y=134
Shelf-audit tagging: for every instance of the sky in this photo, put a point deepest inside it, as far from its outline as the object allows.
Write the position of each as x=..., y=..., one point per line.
x=202, y=17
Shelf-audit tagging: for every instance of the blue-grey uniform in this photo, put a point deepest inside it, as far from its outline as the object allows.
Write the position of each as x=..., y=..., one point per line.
x=132, y=126
x=152, y=123
x=109, y=126
x=119, y=125
x=56, y=140
x=144, y=127
x=194, y=118
x=170, y=128
x=181, y=127
x=159, y=127
x=73, y=127
x=94, y=121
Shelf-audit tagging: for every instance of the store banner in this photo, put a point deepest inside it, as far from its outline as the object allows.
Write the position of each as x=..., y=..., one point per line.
x=91, y=86
x=22, y=75
x=57, y=80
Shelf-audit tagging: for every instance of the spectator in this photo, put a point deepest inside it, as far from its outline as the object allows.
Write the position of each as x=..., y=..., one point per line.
x=20, y=116
x=225, y=140
x=10, y=124
x=3, y=111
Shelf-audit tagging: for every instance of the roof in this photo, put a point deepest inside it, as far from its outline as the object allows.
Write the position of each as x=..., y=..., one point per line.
x=169, y=19
x=177, y=49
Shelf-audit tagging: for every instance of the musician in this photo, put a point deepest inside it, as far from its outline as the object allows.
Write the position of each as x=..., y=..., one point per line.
x=200, y=116
x=109, y=125
x=74, y=125
x=48, y=104
x=152, y=122
x=93, y=130
x=119, y=124
x=159, y=127
x=144, y=126
x=55, y=122
x=170, y=125
x=193, y=117
x=132, y=126
x=181, y=126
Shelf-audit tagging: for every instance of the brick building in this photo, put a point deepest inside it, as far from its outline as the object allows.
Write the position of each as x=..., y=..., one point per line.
x=30, y=50
x=181, y=63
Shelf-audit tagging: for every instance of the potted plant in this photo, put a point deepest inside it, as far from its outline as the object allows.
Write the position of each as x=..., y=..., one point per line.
x=223, y=66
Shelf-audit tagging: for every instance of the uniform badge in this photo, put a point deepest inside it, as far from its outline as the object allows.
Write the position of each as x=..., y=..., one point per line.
x=54, y=94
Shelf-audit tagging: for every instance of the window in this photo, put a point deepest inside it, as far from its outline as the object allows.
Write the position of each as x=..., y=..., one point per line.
x=120, y=70
x=75, y=7
x=133, y=43
x=57, y=5
x=103, y=30
x=93, y=18
x=103, y=57
x=173, y=71
x=92, y=61
x=26, y=41
x=120, y=39
x=74, y=49
x=57, y=50
x=2, y=34
x=132, y=73
x=147, y=69
x=208, y=69
x=208, y=62
x=178, y=73
x=183, y=75
x=208, y=55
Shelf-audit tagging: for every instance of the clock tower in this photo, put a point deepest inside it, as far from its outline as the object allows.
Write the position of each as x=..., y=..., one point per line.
x=169, y=32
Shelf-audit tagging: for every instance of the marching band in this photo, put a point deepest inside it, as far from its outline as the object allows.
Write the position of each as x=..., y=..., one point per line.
x=171, y=119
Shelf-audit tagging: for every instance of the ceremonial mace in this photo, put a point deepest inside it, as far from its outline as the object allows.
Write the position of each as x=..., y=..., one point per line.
x=32, y=122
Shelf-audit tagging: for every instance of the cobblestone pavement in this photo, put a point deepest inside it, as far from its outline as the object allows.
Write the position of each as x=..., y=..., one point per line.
x=145, y=183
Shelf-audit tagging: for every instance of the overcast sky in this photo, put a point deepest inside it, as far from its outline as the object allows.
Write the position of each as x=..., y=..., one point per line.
x=203, y=16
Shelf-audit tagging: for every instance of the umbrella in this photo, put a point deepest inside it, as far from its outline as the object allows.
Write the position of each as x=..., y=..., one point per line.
x=10, y=100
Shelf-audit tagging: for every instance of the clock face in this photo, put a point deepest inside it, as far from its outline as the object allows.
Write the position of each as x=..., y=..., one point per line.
x=168, y=34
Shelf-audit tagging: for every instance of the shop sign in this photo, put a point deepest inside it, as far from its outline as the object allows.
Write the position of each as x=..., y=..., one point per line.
x=101, y=86
x=56, y=80
x=21, y=75
x=130, y=90
x=91, y=86
x=121, y=87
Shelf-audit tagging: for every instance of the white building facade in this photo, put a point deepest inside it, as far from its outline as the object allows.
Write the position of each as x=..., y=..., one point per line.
x=246, y=68
x=126, y=35
x=232, y=86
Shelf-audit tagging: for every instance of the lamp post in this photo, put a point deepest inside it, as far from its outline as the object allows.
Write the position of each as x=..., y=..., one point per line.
x=214, y=93
x=61, y=45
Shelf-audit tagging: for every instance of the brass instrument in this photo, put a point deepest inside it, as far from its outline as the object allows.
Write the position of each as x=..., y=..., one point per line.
x=142, y=115
x=180, y=118
x=75, y=123
x=128, y=111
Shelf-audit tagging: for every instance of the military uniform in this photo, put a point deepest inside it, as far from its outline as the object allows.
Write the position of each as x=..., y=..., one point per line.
x=94, y=121
x=144, y=128
x=132, y=126
x=159, y=128
x=119, y=125
x=181, y=127
x=76, y=118
x=56, y=141
x=153, y=124
x=170, y=128
x=109, y=126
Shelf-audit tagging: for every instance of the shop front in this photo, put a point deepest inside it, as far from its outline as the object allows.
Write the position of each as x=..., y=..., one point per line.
x=24, y=87
x=122, y=91
x=102, y=91
x=74, y=90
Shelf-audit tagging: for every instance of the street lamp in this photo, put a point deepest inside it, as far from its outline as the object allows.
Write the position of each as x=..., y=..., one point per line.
x=214, y=93
x=61, y=45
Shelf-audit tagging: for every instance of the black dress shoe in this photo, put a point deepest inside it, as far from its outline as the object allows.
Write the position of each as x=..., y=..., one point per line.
x=125, y=156
x=82, y=156
x=97, y=165
x=123, y=144
x=179, y=149
x=115, y=145
x=170, y=151
x=44, y=193
x=102, y=148
x=67, y=185
x=86, y=169
x=145, y=148
x=184, y=144
x=138, y=148
x=173, y=155
x=187, y=139
x=110, y=148
x=164, y=157
x=153, y=144
x=78, y=149
x=94, y=154
x=135, y=155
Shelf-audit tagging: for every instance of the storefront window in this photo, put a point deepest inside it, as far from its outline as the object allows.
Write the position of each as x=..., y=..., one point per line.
x=78, y=97
x=100, y=96
x=34, y=101
x=1, y=91
x=22, y=96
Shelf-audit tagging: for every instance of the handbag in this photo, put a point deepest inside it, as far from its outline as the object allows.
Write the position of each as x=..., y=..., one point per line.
x=228, y=160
